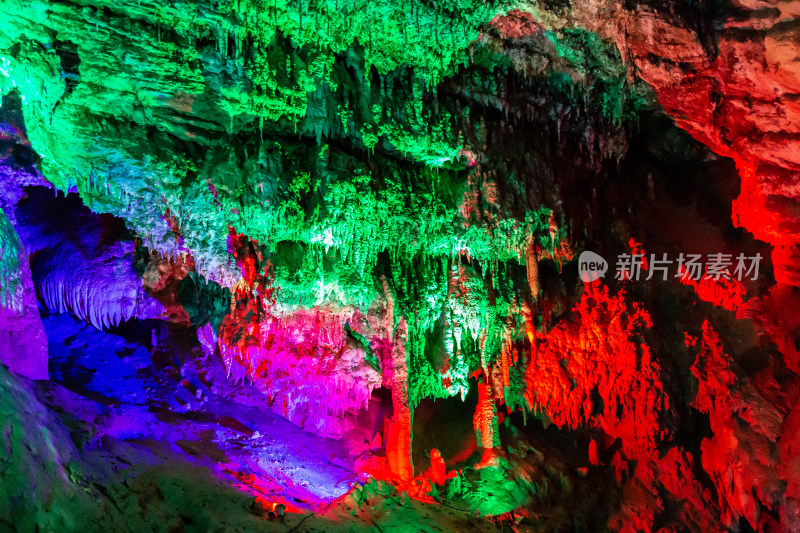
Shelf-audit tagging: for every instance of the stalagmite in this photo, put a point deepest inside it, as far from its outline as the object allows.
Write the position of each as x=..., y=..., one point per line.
x=398, y=439
x=485, y=422
x=532, y=268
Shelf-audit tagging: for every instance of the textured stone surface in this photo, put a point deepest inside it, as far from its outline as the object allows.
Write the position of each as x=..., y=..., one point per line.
x=730, y=78
x=23, y=345
x=370, y=213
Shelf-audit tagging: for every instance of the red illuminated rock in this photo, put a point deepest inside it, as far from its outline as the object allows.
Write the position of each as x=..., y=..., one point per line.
x=741, y=456
x=732, y=81
x=598, y=354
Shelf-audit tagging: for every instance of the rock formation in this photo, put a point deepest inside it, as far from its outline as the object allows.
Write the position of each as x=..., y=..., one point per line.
x=367, y=219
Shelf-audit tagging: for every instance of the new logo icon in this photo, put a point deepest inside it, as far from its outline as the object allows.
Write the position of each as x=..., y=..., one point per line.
x=591, y=266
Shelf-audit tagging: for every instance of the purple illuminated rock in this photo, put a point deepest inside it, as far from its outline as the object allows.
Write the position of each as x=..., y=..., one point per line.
x=23, y=344
x=82, y=262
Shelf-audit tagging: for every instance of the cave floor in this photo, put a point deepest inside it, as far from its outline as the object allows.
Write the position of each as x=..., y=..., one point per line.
x=185, y=404
x=162, y=434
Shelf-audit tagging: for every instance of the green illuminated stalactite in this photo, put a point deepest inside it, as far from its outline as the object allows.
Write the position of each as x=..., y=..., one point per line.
x=294, y=87
x=328, y=132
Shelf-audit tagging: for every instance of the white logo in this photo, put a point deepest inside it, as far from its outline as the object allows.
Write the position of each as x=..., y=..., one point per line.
x=591, y=266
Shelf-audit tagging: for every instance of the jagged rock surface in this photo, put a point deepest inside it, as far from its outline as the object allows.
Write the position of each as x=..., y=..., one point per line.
x=344, y=199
